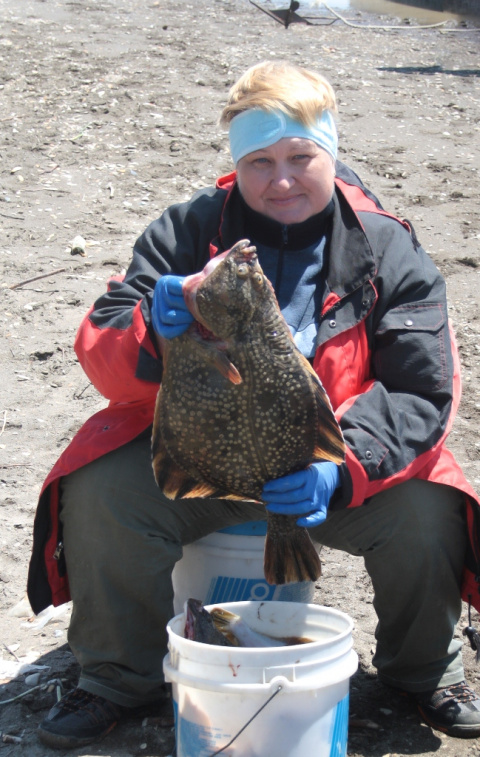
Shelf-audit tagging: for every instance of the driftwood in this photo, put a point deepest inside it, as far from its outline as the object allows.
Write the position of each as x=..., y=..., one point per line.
x=36, y=278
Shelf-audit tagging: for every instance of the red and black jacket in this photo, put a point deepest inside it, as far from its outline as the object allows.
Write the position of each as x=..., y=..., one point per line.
x=385, y=355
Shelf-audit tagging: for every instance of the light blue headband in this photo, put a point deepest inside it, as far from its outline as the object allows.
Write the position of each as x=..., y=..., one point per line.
x=255, y=129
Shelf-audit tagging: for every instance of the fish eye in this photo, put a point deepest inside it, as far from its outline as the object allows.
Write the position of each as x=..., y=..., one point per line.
x=242, y=270
x=257, y=278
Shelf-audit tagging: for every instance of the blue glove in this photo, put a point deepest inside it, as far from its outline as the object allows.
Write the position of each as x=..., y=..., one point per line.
x=170, y=315
x=303, y=492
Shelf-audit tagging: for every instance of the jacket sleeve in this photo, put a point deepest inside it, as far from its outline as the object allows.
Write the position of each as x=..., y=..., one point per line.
x=115, y=343
x=395, y=425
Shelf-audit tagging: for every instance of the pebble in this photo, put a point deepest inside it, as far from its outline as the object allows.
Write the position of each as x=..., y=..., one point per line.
x=33, y=679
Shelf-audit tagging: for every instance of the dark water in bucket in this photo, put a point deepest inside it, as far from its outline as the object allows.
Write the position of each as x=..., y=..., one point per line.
x=419, y=11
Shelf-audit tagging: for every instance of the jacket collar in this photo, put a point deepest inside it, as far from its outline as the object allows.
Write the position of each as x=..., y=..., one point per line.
x=295, y=236
x=350, y=259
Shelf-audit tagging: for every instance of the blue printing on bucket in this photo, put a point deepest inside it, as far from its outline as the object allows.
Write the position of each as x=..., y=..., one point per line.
x=196, y=740
x=339, y=736
x=235, y=589
x=251, y=528
x=229, y=589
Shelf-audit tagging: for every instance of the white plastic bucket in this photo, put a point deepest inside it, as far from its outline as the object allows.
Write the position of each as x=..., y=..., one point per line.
x=227, y=566
x=293, y=698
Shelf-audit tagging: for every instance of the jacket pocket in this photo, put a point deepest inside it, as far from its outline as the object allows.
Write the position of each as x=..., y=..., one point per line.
x=412, y=351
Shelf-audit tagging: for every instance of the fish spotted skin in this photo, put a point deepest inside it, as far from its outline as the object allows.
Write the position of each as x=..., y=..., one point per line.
x=239, y=405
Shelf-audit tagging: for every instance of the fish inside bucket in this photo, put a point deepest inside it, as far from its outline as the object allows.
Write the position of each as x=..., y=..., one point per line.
x=290, y=700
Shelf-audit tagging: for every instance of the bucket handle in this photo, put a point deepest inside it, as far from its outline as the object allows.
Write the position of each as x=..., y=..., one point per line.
x=222, y=749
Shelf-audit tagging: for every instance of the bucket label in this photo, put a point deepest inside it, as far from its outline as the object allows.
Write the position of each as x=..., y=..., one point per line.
x=200, y=738
x=229, y=589
x=339, y=734
x=195, y=739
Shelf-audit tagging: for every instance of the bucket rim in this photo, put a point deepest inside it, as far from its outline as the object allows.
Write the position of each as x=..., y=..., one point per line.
x=212, y=650
x=309, y=683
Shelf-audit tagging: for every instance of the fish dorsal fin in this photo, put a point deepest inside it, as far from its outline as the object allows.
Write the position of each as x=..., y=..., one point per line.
x=174, y=482
x=200, y=489
x=170, y=478
x=308, y=367
x=206, y=490
x=330, y=445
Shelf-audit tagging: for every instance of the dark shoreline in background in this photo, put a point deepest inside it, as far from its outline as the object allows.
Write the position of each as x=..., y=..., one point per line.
x=467, y=7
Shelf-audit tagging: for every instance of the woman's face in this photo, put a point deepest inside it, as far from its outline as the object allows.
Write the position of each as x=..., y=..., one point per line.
x=288, y=181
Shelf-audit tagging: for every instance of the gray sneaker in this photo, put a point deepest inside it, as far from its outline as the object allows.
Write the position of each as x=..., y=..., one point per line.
x=78, y=719
x=454, y=709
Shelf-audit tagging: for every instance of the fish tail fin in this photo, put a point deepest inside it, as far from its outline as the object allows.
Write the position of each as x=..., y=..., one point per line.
x=223, y=616
x=290, y=555
x=222, y=620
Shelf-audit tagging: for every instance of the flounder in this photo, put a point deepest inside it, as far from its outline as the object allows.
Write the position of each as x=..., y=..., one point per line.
x=239, y=405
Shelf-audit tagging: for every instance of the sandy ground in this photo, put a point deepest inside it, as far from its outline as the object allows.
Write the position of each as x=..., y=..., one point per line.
x=109, y=112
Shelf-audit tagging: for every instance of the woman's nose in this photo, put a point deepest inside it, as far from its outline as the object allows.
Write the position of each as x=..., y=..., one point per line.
x=282, y=177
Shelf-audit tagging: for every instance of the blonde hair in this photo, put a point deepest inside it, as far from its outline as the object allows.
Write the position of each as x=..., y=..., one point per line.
x=279, y=85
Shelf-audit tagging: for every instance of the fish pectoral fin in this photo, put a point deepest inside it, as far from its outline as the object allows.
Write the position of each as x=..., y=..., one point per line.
x=227, y=369
x=219, y=359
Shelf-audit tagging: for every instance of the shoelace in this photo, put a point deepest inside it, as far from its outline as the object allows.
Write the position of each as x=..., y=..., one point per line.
x=459, y=691
x=73, y=699
x=78, y=699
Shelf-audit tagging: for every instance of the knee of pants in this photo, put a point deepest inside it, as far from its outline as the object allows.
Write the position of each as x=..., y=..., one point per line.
x=117, y=494
x=411, y=518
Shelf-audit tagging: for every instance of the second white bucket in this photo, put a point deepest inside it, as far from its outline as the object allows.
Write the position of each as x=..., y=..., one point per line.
x=227, y=566
x=289, y=701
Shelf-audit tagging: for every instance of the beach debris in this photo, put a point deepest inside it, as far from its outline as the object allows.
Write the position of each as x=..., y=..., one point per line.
x=8, y=738
x=77, y=246
x=50, y=613
x=10, y=669
x=37, y=278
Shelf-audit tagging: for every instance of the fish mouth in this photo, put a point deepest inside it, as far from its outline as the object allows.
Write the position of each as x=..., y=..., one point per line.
x=191, y=284
x=241, y=251
x=190, y=608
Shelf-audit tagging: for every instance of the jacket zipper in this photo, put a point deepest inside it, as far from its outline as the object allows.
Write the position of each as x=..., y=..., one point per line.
x=281, y=257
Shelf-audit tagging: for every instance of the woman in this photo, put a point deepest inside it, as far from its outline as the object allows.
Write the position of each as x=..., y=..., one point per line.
x=367, y=307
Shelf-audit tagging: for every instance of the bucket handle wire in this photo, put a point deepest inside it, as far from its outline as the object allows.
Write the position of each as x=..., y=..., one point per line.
x=219, y=751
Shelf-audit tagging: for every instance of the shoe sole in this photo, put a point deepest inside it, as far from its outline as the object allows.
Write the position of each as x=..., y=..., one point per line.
x=61, y=741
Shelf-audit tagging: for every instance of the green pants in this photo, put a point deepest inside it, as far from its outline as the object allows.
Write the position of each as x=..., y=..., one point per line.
x=122, y=539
